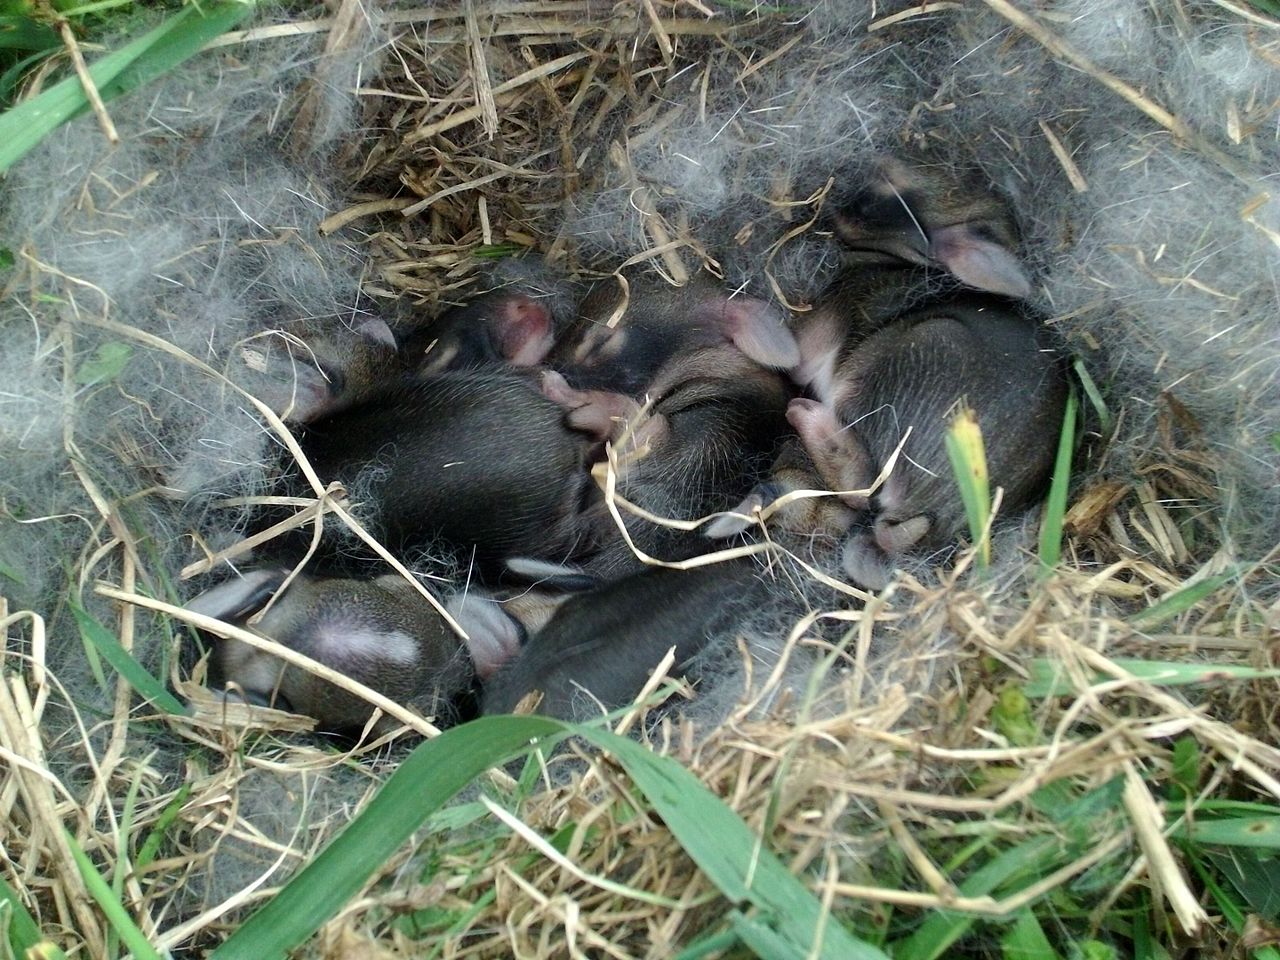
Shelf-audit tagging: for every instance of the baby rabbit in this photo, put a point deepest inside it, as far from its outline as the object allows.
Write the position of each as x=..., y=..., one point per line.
x=379, y=632
x=926, y=316
x=515, y=323
x=479, y=461
x=598, y=648
x=709, y=365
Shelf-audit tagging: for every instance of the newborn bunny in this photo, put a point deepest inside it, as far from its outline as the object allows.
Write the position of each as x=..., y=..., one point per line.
x=708, y=363
x=599, y=647
x=379, y=632
x=926, y=316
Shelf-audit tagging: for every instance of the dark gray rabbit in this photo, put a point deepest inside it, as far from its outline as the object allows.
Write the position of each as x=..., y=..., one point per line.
x=598, y=648
x=927, y=316
x=515, y=323
x=475, y=462
x=709, y=364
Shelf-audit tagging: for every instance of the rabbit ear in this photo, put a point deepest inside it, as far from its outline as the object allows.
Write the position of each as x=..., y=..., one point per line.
x=758, y=330
x=979, y=262
x=597, y=413
x=305, y=396
x=896, y=537
x=377, y=331
x=237, y=598
x=524, y=328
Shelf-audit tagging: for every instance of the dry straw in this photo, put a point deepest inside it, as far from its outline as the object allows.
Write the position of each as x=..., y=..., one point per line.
x=493, y=121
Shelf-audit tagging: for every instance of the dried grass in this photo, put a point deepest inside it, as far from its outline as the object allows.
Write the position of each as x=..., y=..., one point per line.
x=497, y=162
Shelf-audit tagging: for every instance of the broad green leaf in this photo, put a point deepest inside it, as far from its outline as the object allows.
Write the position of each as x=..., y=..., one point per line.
x=154, y=53
x=107, y=363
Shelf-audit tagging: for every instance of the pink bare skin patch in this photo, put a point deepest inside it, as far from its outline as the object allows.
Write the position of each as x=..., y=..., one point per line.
x=838, y=454
x=896, y=537
x=599, y=413
x=820, y=340
x=526, y=331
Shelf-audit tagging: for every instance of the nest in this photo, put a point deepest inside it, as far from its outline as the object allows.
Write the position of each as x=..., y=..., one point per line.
x=1040, y=748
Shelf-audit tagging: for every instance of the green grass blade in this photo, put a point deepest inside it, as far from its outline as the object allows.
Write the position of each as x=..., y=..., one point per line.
x=714, y=836
x=94, y=7
x=969, y=462
x=1094, y=396
x=1056, y=507
x=155, y=836
x=763, y=940
x=731, y=855
x=1180, y=601
x=1025, y=939
x=105, y=642
x=186, y=38
x=111, y=907
x=156, y=52
x=715, y=944
x=23, y=932
x=1046, y=678
x=942, y=928
x=1258, y=832
x=427, y=779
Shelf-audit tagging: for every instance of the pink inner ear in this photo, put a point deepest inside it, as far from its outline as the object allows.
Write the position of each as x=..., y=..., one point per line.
x=979, y=262
x=758, y=330
x=524, y=330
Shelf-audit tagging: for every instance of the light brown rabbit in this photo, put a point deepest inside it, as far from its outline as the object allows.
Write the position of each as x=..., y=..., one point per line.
x=380, y=632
